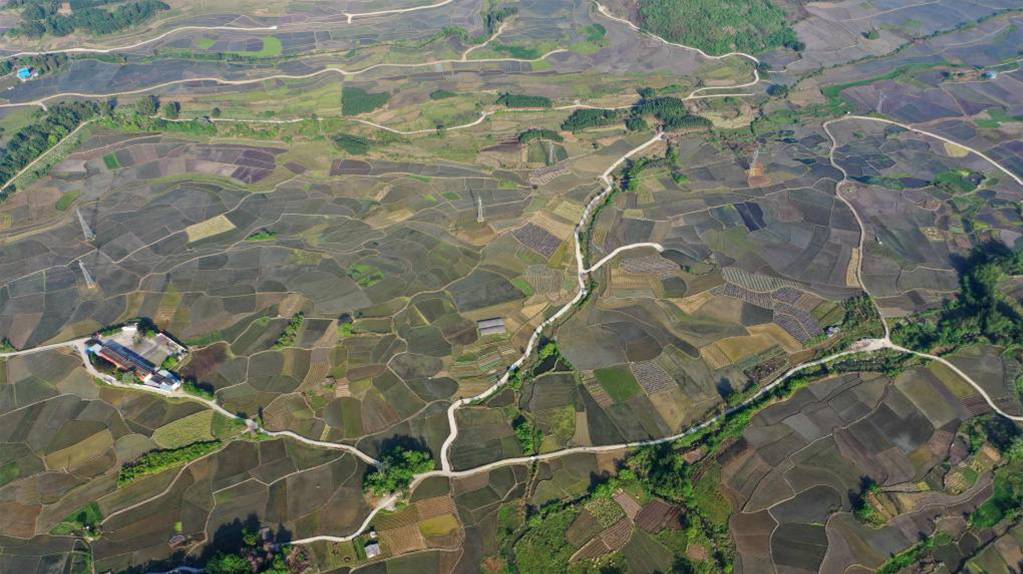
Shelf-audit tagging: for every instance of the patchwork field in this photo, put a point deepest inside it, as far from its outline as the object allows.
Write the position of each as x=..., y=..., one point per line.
x=513, y=286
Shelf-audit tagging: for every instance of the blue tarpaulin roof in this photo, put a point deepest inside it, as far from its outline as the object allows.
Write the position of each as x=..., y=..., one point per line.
x=25, y=73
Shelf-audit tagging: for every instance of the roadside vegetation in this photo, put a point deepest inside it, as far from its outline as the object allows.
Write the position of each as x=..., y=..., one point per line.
x=494, y=14
x=195, y=389
x=528, y=434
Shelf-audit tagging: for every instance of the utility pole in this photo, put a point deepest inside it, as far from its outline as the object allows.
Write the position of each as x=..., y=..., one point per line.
x=86, y=230
x=85, y=273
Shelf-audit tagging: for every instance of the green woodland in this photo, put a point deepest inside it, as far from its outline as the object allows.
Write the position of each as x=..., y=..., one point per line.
x=40, y=17
x=719, y=26
x=355, y=101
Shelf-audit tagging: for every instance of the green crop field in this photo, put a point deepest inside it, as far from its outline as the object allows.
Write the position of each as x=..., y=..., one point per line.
x=618, y=382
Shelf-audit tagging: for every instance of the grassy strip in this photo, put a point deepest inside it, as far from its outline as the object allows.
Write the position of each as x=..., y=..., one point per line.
x=66, y=200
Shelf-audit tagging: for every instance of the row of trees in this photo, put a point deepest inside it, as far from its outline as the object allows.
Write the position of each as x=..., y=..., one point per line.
x=539, y=133
x=43, y=17
x=290, y=334
x=156, y=461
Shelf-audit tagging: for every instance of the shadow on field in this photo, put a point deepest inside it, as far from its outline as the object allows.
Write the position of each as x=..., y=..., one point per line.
x=404, y=442
x=230, y=538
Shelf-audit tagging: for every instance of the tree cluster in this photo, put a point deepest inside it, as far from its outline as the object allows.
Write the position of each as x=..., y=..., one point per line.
x=979, y=313
x=257, y=556
x=528, y=434
x=671, y=112
x=355, y=101
x=398, y=467
x=41, y=63
x=46, y=129
x=590, y=118
x=352, y=144
x=495, y=15
x=720, y=26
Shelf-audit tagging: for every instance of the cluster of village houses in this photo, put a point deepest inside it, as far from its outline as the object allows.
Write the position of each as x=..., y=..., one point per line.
x=141, y=353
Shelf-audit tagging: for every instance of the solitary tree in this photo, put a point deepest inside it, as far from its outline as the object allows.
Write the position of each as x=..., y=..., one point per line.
x=148, y=106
